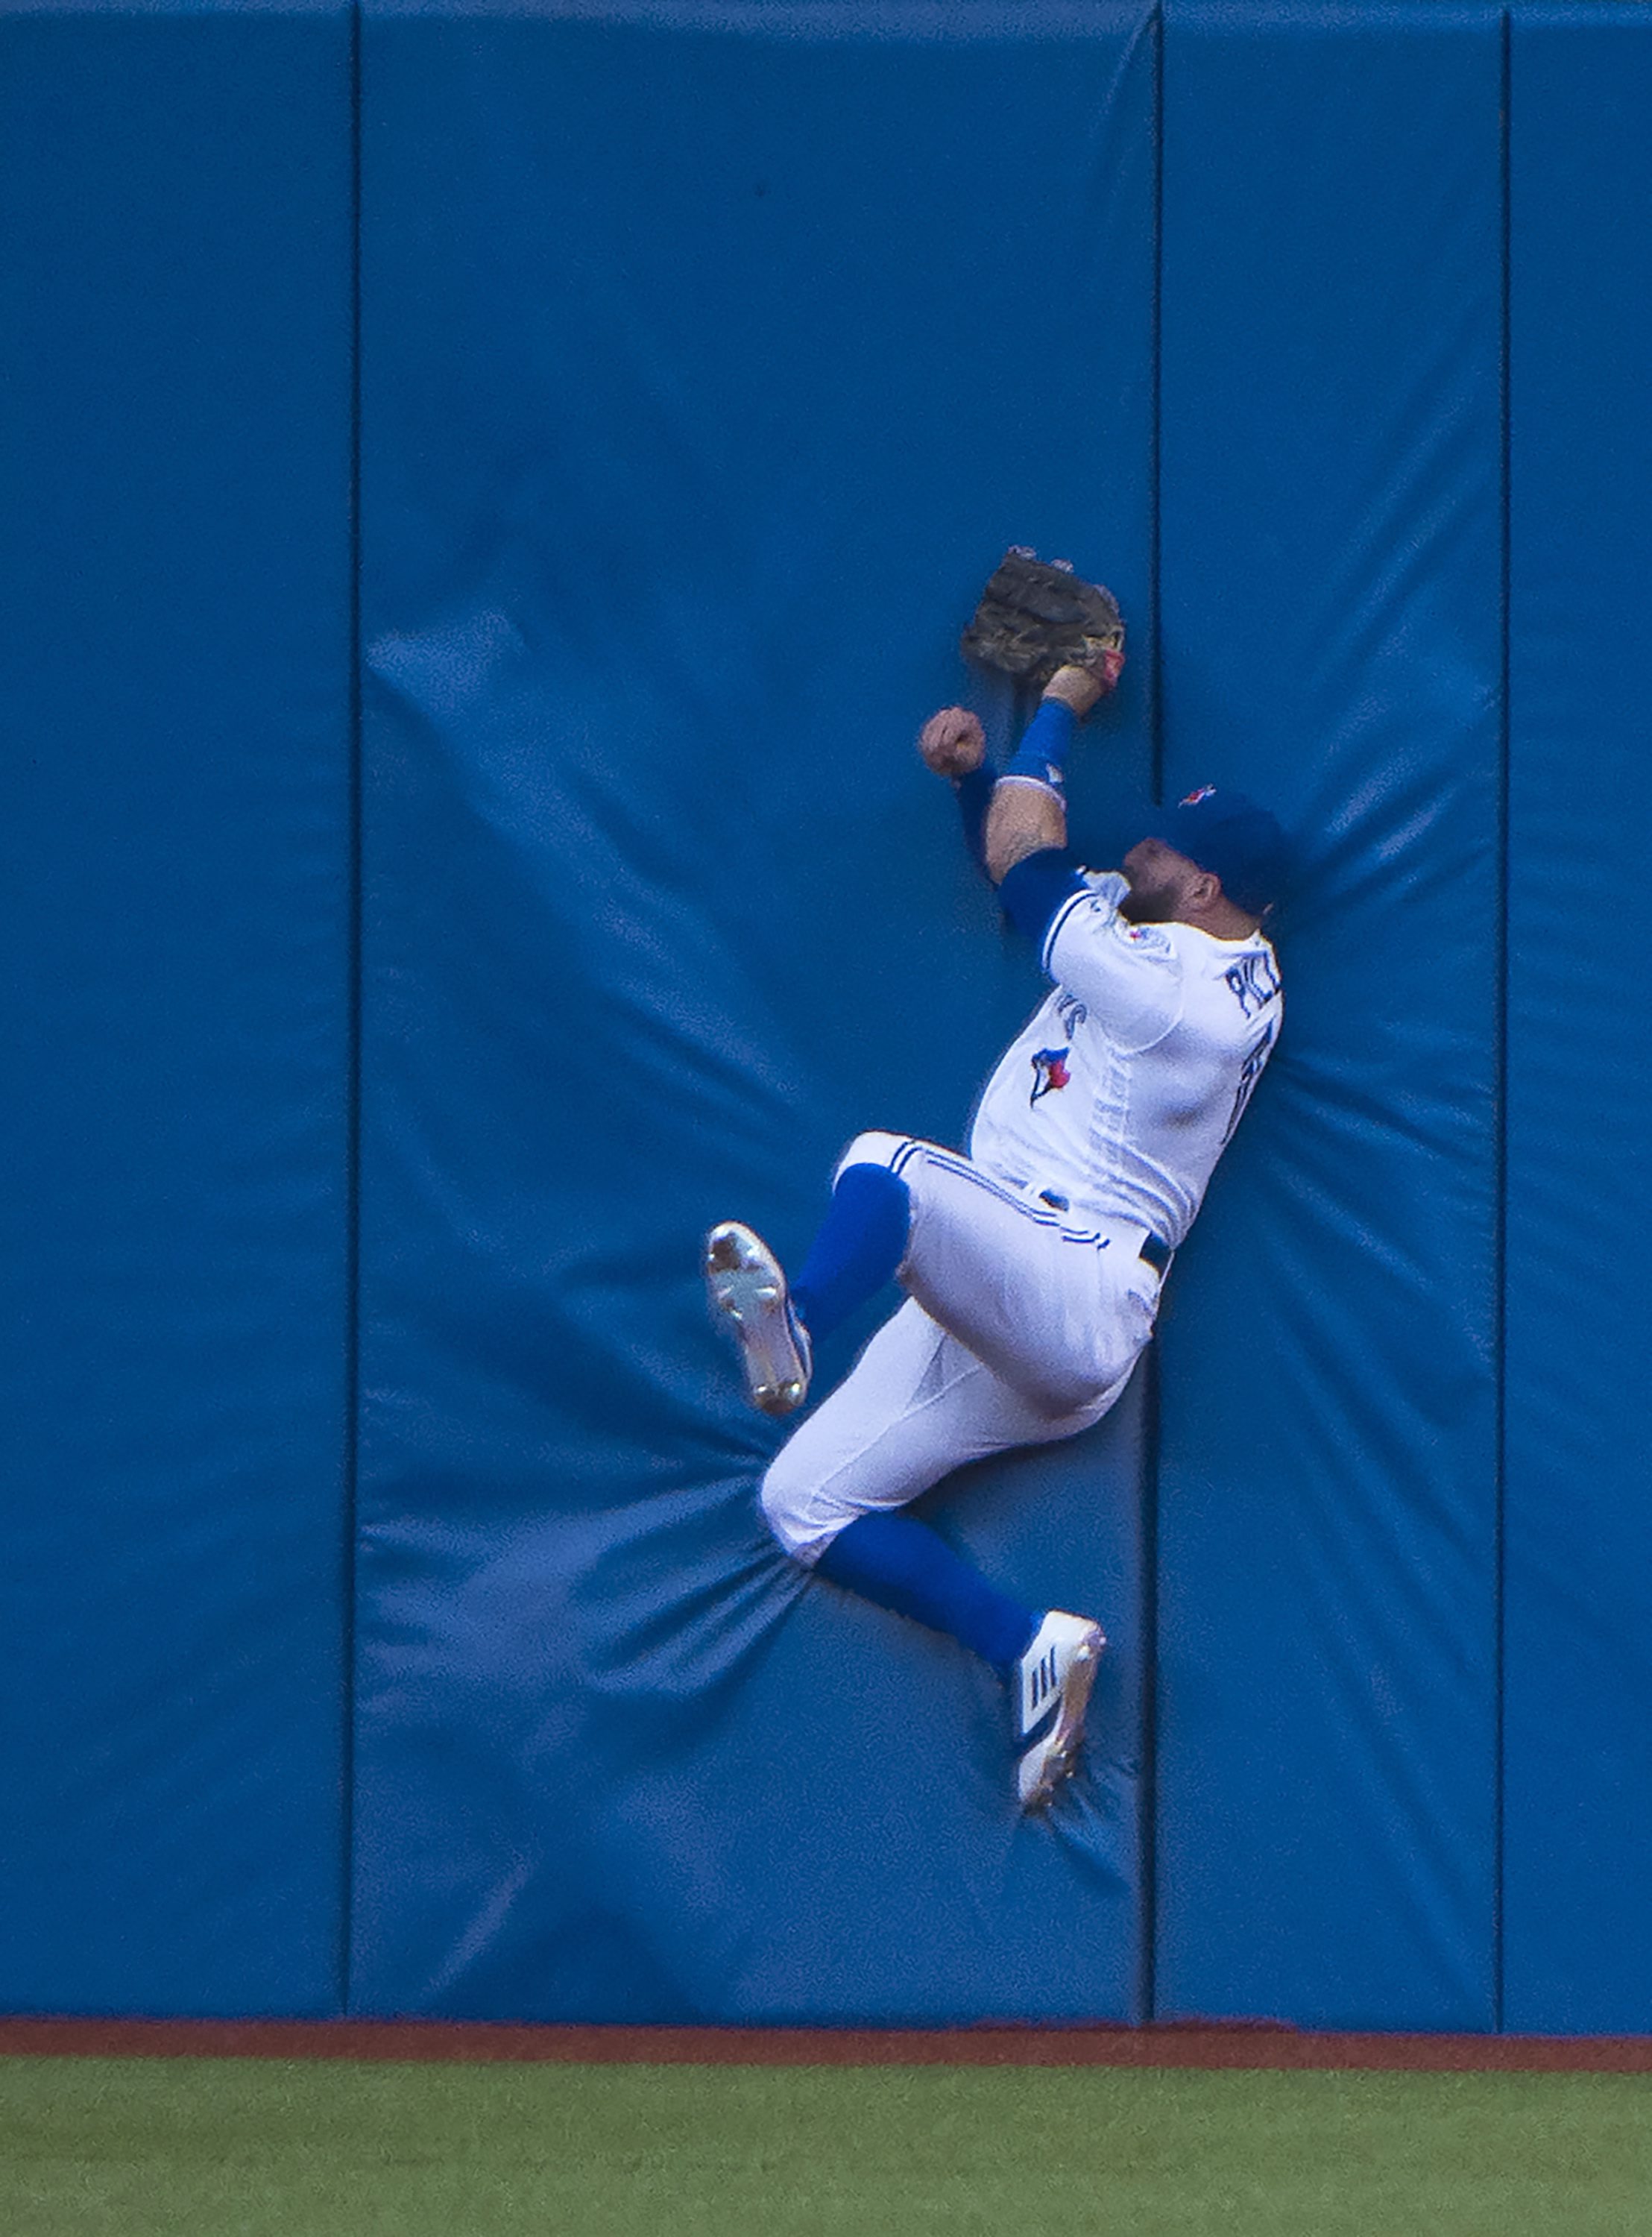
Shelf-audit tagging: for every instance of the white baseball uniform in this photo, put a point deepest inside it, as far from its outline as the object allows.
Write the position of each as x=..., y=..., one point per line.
x=1029, y=1299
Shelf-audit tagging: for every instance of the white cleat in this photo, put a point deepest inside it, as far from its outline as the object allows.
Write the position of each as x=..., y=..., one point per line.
x=744, y=1280
x=1052, y=1682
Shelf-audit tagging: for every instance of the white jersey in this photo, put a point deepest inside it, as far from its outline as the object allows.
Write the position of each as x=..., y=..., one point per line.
x=1125, y=1088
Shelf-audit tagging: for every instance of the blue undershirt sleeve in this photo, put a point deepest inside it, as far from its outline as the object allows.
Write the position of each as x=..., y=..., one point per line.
x=974, y=798
x=1045, y=744
x=1038, y=886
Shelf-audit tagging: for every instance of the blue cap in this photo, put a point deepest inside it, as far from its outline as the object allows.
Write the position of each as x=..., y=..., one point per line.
x=1228, y=834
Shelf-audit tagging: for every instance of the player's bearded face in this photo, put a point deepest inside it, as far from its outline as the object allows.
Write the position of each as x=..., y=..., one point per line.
x=1159, y=878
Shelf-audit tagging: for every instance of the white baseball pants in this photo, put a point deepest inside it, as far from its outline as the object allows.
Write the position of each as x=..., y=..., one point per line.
x=1021, y=1327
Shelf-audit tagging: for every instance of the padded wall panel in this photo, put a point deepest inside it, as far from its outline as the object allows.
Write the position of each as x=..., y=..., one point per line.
x=175, y=303
x=1579, y=1820
x=1332, y=261
x=706, y=368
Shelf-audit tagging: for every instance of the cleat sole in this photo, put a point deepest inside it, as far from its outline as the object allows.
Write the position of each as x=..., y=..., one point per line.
x=745, y=1283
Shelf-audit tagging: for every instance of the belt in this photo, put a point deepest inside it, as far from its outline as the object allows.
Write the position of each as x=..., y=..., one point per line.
x=1153, y=1248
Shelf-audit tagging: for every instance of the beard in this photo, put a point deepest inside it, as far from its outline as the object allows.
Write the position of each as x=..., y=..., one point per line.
x=1150, y=902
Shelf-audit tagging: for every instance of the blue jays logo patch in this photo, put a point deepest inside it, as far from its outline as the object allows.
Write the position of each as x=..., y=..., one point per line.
x=1049, y=1072
x=1205, y=792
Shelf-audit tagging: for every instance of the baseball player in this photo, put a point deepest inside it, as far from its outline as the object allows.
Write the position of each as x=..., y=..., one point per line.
x=1032, y=1265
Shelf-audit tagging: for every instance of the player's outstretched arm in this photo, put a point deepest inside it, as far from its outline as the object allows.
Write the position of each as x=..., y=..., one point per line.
x=1022, y=813
x=1025, y=819
x=1029, y=813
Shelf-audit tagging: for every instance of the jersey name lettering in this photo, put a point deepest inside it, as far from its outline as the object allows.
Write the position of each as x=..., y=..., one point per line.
x=1252, y=982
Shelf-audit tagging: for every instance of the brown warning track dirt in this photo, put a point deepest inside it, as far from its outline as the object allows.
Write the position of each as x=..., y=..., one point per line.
x=1184, y=2045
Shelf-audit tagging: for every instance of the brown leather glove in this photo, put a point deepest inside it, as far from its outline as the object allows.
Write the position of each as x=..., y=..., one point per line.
x=1035, y=617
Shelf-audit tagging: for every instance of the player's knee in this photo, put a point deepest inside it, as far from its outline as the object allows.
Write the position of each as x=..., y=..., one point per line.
x=784, y=1499
x=873, y=1149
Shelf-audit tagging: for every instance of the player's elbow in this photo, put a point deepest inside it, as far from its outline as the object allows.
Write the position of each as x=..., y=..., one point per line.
x=1025, y=819
x=1002, y=856
x=1035, y=890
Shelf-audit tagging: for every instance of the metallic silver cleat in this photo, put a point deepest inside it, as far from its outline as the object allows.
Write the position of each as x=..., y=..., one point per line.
x=744, y=1280
x=1052, y=1684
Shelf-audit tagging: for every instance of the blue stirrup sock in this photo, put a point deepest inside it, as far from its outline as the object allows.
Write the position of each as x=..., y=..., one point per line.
x=903, y=1565
x=1045, y=744
x=861, y=1242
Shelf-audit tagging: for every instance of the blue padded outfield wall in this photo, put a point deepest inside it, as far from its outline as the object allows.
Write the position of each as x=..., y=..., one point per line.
x=175, y=785
x=493, y=492
x=1332, y=638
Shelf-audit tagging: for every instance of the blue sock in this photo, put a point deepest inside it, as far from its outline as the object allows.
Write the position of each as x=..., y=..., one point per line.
x=902, y=1564
x=861, y=1242
x=1045, y=744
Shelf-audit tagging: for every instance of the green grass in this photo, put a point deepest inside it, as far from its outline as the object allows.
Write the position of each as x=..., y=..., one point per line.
x=198, y=2148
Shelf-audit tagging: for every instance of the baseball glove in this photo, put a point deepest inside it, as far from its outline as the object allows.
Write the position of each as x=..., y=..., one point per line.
x=1036, y=616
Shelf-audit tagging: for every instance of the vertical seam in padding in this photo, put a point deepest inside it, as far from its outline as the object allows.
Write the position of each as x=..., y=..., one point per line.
x=1151, y=1407
x=352, y=1186
x=1501, y=1260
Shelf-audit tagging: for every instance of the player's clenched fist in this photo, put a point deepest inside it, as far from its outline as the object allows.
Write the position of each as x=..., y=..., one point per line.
x=952, y=743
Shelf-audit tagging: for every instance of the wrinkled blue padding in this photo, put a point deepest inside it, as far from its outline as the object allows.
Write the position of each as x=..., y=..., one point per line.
x=174, y=787
x=1578, y=1579
x=711, y=349
x=704, y=375
x=1330, y=613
